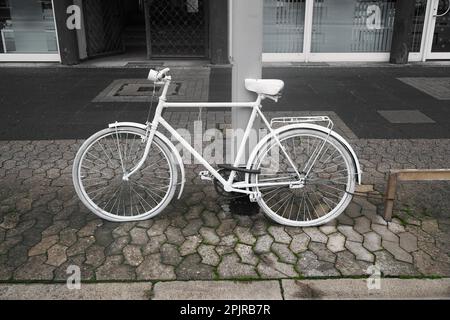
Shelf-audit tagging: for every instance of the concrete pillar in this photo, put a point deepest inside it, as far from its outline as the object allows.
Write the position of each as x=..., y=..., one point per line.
x=401, y=38
x=247, y=39
x=67, y=39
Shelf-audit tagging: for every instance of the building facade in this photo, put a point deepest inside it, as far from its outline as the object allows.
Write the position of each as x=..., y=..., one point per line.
x=294, y=30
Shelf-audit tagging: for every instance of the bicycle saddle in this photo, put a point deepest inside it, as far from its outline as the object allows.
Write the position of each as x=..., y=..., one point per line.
x=270, y=87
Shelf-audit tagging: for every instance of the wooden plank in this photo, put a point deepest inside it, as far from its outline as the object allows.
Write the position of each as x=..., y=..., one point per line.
x=409, y=175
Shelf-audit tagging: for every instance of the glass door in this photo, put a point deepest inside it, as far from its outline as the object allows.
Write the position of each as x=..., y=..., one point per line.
x=328, y=30
x=284, y=29
x=438, y=37
x=27, y=31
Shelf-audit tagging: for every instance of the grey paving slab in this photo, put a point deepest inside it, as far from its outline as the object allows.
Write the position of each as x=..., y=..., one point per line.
x=438, y=88
x=97, y=291
x=217, y=290
x=358, y=289
x=186, y=86
x=405, y=116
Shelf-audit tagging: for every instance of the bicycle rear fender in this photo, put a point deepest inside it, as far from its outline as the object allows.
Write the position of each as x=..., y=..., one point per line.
x=165, y=140
x=312, y=127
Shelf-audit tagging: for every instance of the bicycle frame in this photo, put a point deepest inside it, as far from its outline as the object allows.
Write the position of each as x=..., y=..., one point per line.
x=229, y=186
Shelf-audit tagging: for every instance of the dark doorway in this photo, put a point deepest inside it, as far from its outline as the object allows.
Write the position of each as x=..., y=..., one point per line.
x=134, y=35
x=103, y=25
x=178, y=28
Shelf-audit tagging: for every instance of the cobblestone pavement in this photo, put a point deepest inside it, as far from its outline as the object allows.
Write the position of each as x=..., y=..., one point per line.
x=44, y=228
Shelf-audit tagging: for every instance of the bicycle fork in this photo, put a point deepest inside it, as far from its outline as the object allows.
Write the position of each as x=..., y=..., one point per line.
x=149, y=136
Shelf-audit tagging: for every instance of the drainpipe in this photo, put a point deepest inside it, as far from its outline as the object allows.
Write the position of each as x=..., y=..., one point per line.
x=246, y=43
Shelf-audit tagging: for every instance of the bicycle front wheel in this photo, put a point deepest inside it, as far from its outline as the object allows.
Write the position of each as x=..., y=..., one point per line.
x=99, y=169
x=326, y=190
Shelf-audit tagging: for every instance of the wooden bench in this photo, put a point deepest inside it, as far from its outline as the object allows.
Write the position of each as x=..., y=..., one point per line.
x=409, y=175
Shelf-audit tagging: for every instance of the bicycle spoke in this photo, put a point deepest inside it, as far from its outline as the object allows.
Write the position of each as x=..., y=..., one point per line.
x=323, y=189
x=101, y=167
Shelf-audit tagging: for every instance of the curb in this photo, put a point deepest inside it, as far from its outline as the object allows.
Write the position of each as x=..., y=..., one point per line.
x=325, y=289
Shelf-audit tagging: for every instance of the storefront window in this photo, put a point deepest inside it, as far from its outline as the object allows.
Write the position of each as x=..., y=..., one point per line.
x=441, y=36
x=352, y=25
x=284, y=22
x=27, y=26
x=418, y=23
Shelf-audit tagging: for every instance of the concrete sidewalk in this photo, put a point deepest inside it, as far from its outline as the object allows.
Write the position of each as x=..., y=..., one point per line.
x=235, y=290
x=44, y=227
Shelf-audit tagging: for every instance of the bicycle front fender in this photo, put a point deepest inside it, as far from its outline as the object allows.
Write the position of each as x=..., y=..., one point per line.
x=312, y=127
x=165, y=140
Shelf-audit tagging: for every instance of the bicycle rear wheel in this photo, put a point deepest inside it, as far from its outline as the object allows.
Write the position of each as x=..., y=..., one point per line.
x=326, y=191
x=98, y=175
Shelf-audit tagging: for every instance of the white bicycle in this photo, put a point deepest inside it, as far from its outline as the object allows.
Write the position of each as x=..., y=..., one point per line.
x=301, y=174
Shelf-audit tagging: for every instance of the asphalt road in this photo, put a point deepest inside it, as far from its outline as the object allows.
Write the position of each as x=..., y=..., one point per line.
x=56, y=103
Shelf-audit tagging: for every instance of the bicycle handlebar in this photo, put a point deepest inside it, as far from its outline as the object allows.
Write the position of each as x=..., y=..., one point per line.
x=154, y=75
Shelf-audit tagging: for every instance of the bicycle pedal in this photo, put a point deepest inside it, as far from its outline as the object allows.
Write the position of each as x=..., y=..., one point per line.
x=205, y=175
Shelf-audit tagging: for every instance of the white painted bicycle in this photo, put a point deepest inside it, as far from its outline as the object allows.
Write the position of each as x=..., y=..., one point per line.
x=301, y=174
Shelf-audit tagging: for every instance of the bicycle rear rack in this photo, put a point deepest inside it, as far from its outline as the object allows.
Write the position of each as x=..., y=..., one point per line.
x=310, y=119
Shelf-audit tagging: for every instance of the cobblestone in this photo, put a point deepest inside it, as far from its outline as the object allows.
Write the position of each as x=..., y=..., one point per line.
x=209, y=236
x=299, y=243
x=336, y=242
x=279, y=235
x=389, y=266
x=310, y=266
x=362, y=225
x=35, y=269
x=154, y=244
x=43, y=246
x=322, y=252
x=263, y=244
x=56, y=255
x=359, y=251
x=114, y=269
x=397, y=252
x=246, y=254
x=209, y=255
x=271, y=268
x=350, y=233
x=430, y=226
x=95, y=255
x=316, y=235
x=231, y=267
x=396, y=227
x=284, y=253
x=244, y=235
x=372, y=241
x=152, y=268
x=385, y=234
x=158, y=227
x=349, y=266
x=201, y=236
x=170, y=254
x=190, y=245
x=138, y=236
x=193, y=269
x=408, y=242
x=133, y=255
